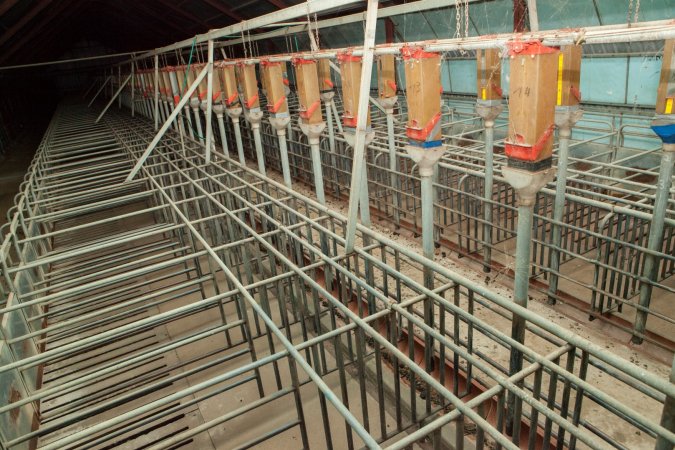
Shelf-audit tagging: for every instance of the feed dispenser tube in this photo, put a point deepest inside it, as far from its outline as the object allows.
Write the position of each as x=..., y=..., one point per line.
x=219, y=107
x=664, y=126
x=175, y=90
x=387, y=90
x=277, y=107
x=233, y=107
x=425, y=147
x=350, y=72
x=250, y=98
x=327, y=94
x=167, y=93
x=567, y=113
x=528, y=149
x=488, y=107
x=183, y=77
x=194, y=99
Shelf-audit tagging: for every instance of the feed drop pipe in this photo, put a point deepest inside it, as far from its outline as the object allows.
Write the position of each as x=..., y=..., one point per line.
x=310, y=121
x=529, y=151
x=567, y=113
x=194, y=100
x=664, y=126
x=386, y=90
x=175, y=90
x=167, y=95
x=425, y=147
x=248, y=86
x=312, y=125
x=327, y=94
x=277, y=106
x=488, y=107
x=233, y=107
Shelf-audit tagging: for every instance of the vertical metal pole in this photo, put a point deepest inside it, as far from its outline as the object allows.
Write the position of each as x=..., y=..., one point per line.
x=133, y=89
x=667, y=416
x=237, y=138
x=223, y=135
x=655, y=243
x=119, y=82
x=209, y=101
x=198, y=122
x=156, y=92
x=331, y=131
x=258, y=148
x=427, y=194
x=487, y=195
x=283, y=151
x=521, y=287
x=393, y=165
x=360, y=137
x=318, y=172
x=558, y=210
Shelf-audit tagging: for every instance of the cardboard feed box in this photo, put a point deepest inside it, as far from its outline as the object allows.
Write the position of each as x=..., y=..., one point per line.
x=306, y=77
x=532, y=98
x=489, y=74
x=228, y=81
x=248, y=85
x=665, y=95
x=569, y=74
x=350, y=71
x=272, y=73
x=423, y=91
x=325, y=78
x=386, y=76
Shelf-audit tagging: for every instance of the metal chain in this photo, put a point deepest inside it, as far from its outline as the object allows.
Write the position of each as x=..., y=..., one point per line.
x=630, y=9
x=458, y=20
x=637, y=10
x=466, y=18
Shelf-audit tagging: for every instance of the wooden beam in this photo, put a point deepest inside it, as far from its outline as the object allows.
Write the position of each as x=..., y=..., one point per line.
x=278, y=3
x=188, y=15
x=35, y=10
x=6, y=6
x=519, y=16
x=63, y=11
x=224, y=9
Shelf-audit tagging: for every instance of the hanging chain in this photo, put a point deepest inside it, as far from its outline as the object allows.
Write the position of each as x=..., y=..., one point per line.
x=466, y=18
x=637, y=11
x=458, y=20
x=630, y=10
x=243, y=42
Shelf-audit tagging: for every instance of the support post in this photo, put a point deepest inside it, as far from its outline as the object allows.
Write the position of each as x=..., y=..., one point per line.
x=667, y=416
x=119, y=83
x=655, y=243
x=166, y=125
x=133, y=88
x=156, y=92
x=209, y=101
x=361, y=124
x=664, y=126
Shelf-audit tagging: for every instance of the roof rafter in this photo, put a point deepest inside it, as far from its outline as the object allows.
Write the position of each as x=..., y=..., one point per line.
x=35, y=10
x=224, y=9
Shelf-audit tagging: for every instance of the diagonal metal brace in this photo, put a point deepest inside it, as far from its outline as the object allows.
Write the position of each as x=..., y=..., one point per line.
x=177, y=110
